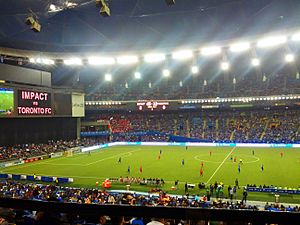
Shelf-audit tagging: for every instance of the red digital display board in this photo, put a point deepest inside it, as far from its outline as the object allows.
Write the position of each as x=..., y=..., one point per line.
x=152, y=105
x=34, y=103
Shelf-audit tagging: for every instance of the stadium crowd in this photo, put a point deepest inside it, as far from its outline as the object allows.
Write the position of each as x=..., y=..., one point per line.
x=41, y=192
x=194, y=89
x=267, y=126
x=25, y=151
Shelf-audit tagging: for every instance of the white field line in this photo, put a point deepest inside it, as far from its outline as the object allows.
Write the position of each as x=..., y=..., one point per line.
x=42, y=162
x=111, y=157
x=220, y=165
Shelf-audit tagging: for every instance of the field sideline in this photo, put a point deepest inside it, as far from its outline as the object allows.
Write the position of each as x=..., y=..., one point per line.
x=87, y=169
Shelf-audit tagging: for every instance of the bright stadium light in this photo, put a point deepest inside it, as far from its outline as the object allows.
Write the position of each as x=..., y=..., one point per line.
x=271, y=41
x=32, y=60
x=137, y=75
x=296, y=37
x=108, y=77
x=225, y=66
x=289, y=58
x=166, y=73
x=73, y=61
x=195, y=69
x=101, y=60
x=129, y=59
x=183, y=54
x=214, y=50
x=240, y=47
x=154, y=57
x=47, y=61
x=255, y=62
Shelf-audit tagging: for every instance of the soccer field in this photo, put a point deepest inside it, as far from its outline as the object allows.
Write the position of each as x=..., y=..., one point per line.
x=219, y=166
x=6, y=102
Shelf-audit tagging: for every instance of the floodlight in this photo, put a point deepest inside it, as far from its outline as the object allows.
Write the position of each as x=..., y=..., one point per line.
x=271, y=41
x=170, y=2
x=47, y=61
x=166, y=73
x=32, y=60
x=239, y=47
x=195, y=69
x=289, y=58
x=154, y=57
x=108, y=77
x=137, y=75
x=38, y=60
x=225, y=66
x=296, y=37
x=183, y=54
x=214, y=50
x=127, y=59
x=73, y=61
x=101, y=60
x=255, y=62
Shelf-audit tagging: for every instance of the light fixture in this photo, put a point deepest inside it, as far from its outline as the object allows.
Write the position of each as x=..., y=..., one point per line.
x=108, y=77
x=154, y=57
x=166, y=73
x=101, y=60
x=225, y=66
x=213, y=50
x=47, y=61
x=289, y=58
x=271, y=41
x=129, y=59
x=239, y=47
x=182, y=54
x=73, y=61
x=137, y=75
x=255, y=62
x=296, y=37
x=195, y=69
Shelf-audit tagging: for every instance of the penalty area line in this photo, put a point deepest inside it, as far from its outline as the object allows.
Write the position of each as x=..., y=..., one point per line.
x=220, y=165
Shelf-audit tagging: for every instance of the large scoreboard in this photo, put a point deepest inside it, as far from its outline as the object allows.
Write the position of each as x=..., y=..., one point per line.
x=6, y=102
x=26, y=101
x=32, y=103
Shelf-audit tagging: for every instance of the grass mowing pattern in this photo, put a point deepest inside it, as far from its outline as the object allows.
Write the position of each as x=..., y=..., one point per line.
x=86, y=170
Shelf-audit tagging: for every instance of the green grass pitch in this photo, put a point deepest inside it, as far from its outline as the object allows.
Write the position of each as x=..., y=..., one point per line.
x=6, y=102
x=87, y=169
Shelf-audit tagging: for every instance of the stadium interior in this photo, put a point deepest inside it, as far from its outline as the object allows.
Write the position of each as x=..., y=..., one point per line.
x=149, y=112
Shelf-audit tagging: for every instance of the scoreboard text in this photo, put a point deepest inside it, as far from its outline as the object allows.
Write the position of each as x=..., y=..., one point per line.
x=33, y=103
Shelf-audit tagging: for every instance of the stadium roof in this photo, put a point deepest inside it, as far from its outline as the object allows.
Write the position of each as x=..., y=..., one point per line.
x=140, y=24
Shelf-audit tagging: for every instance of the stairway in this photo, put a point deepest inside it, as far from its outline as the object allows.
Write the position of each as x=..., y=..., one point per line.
x=188, y=128
x=203, y=128
x=265, y=129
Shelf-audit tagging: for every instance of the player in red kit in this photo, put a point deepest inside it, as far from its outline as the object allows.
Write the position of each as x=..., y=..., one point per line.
x=202, y=164
x=141, y=169
x=210, y=153
x=234, y=160
x=281, y=154
x=201, y=172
